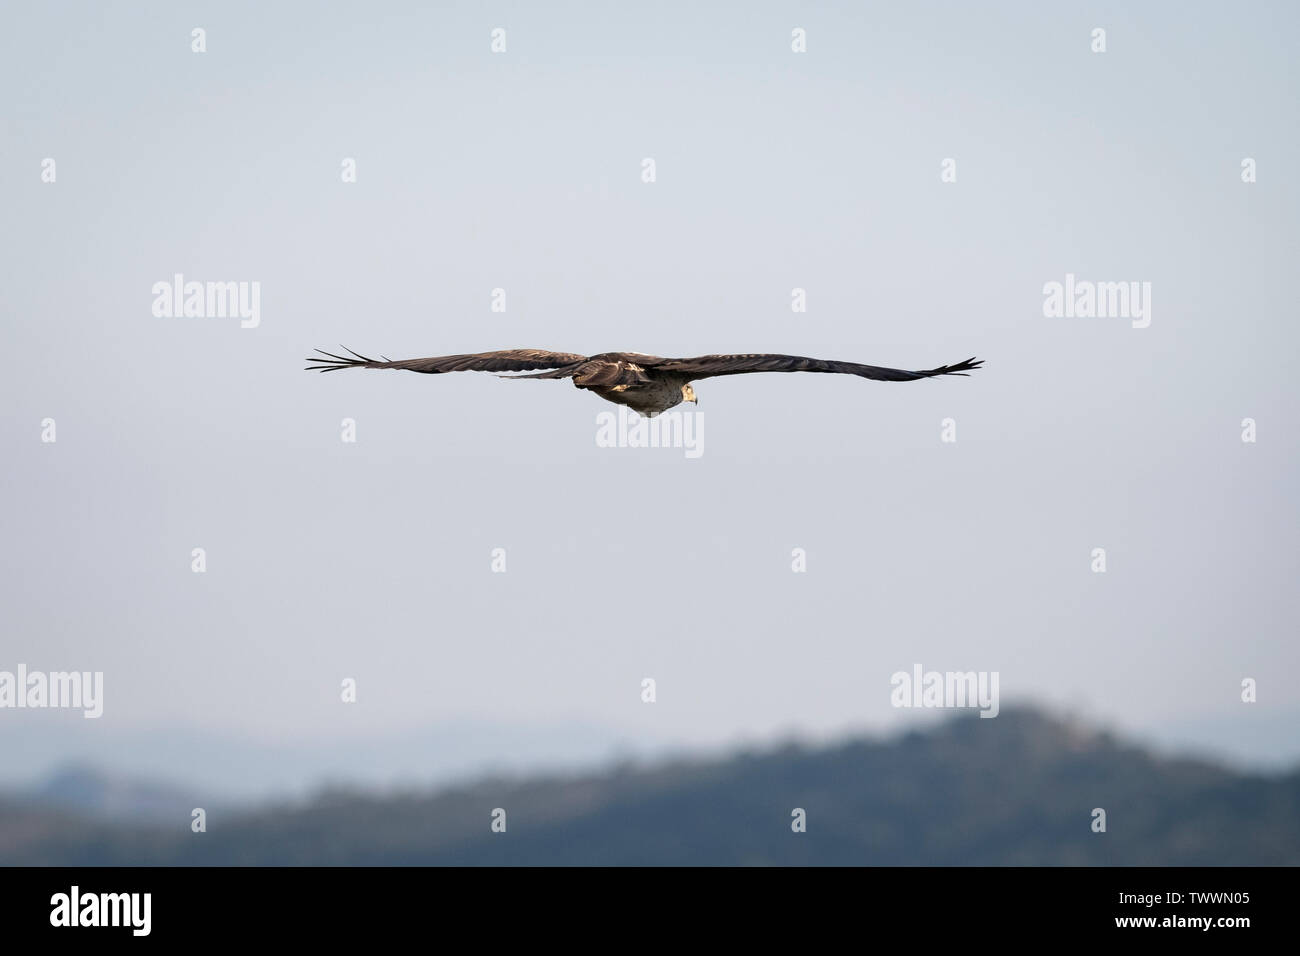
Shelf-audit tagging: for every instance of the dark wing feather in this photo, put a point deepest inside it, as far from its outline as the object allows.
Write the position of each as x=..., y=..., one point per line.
x=606, y=371
x=710, y=366
x=511, y=360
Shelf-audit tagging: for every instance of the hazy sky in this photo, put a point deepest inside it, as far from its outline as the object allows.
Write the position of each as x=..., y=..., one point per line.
x=522, y=170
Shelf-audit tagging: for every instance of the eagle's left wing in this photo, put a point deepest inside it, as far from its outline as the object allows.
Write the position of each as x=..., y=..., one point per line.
x=710, y=366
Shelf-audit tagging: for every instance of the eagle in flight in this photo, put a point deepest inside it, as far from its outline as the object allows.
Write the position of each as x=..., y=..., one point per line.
x=647, y=384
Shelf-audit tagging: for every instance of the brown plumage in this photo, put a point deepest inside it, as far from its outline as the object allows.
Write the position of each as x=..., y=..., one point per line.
x=645, y=383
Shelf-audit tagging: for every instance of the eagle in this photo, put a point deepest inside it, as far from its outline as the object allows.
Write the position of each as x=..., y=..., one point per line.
x=647, y=384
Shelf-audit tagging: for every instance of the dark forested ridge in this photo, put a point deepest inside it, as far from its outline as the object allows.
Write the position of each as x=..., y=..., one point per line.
x=1018, y=789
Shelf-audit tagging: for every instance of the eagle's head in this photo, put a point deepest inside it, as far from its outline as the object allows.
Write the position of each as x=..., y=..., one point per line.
x=688, y=395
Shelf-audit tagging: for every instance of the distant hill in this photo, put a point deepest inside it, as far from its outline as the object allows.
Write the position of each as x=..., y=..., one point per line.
x=1015, y=790
x=88, y=791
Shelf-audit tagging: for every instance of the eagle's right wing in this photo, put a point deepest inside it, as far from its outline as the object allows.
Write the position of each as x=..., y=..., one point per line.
x=510, y=360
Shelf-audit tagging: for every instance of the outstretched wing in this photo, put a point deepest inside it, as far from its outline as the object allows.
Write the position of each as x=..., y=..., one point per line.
x=710, y=366
x=511, y=360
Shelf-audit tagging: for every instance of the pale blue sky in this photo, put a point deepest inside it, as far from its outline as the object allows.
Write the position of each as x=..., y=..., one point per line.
x=522, y=171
